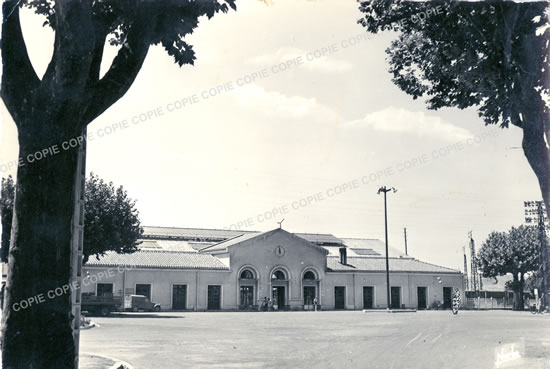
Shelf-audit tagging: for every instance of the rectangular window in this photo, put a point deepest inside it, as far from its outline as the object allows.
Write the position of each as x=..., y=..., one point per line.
x=105, y=289
x=144, y=289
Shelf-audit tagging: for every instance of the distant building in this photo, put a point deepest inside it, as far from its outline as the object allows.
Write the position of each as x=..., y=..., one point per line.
x=205, y=269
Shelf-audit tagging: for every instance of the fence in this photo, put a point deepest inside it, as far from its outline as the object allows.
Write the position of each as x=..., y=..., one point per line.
x=488, y=303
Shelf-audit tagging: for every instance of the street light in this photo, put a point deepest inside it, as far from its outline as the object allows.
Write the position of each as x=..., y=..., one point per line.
x=386, y=190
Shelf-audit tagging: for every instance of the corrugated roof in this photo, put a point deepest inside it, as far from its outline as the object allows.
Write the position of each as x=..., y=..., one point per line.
x=374, y=244
x=320, y=238
x=166, y=245
x=377, y=264
x=190, y=233
x=365, y=252
x=159, y=259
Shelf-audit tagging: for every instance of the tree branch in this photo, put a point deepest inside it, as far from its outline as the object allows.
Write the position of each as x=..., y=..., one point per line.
x=67, y=73
x=125, y=67
x=18, y=75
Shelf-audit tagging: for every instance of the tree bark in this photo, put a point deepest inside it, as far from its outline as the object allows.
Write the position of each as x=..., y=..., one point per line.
x=37, y=320
x=49, y=113
x=517, y=295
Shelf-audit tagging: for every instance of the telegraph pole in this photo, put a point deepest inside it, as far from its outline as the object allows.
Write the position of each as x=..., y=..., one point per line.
x=385, y=191
x=465, y=269
x=405, y=232
x=473, y=268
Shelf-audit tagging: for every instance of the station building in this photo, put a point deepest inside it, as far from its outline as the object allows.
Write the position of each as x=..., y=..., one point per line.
x=206, y=269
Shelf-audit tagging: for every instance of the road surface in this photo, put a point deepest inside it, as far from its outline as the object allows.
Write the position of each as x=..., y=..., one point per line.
x=331, y=339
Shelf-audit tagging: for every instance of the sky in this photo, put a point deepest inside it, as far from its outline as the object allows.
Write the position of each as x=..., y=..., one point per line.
x=290, y=113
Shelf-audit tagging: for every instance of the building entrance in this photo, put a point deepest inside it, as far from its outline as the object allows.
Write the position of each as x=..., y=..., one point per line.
x=247, y=297
x=422, y=303
x=339, y=297
x=368, y=297
x=395, y=297
x=214, y=297
x=278, y=297
x=179, y=296
x=447, y=297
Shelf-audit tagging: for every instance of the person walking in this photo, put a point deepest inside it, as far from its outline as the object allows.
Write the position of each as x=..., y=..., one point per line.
x=456, y=300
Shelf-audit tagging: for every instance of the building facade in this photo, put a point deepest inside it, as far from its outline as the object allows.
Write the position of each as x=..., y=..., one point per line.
x=198, y=269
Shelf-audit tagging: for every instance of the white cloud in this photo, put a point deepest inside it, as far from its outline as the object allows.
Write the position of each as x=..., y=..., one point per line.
x=399, y=120
x=312, y=60
x=274, y=103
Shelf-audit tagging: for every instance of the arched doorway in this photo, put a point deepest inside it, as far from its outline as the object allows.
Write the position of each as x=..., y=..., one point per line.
x=279, y=288
x=248, y=281
x=310, y=288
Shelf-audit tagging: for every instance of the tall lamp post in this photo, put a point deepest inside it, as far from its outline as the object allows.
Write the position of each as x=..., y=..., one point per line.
x=385, y=191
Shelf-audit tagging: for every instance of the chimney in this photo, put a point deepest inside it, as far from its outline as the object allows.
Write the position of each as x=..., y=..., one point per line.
x=343, y=256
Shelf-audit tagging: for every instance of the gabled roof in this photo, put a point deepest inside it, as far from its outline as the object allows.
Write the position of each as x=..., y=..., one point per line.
x=378, y=264
x=245, y=237
x=159, y=260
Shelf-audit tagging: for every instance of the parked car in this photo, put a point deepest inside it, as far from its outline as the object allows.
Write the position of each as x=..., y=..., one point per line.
x=139, y=302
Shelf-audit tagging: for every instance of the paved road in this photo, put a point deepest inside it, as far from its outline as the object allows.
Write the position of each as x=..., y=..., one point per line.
x=350, y=339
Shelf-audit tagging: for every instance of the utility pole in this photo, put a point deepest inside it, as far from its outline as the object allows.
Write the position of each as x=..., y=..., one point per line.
x=465, y=269
x=405, y=232
x=385, y=191
x=473, y=268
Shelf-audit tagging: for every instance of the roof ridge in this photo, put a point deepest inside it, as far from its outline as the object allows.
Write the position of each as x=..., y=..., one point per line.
x=202, y=229
x=161, y=251
x=359, y=238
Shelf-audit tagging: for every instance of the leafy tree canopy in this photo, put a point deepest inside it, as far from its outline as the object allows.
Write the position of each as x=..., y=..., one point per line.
x=517, y=251
x=461, y=54
x=111, y=221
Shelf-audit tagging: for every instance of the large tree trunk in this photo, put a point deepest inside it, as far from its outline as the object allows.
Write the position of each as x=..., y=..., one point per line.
x=37, y=320
x=517, y=287
x=51, y=111
x=538, y=155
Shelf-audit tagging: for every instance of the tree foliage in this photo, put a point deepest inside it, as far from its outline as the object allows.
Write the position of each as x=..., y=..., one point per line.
x=6, y=213
x=463, y=54
x=111, y=221
x=517, y=252
x=489, y=55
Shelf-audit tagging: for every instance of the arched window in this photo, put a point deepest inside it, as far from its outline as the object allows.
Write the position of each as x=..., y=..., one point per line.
x=247, y=274
x=309, y=275
x=279, y=274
